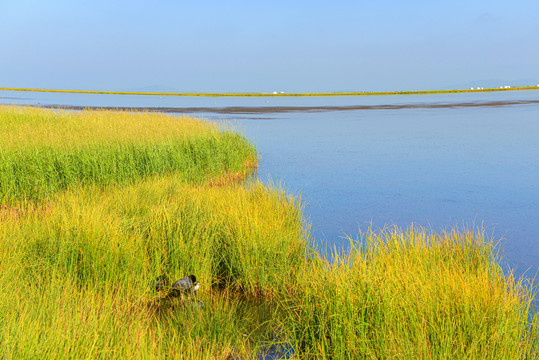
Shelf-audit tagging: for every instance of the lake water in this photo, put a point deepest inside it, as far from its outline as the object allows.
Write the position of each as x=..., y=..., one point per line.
x=437, y=161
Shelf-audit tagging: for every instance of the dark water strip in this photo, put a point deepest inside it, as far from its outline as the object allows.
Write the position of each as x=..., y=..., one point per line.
x=293, y=109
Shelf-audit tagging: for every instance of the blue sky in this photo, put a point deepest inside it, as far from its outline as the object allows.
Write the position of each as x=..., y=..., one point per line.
x=242, y=46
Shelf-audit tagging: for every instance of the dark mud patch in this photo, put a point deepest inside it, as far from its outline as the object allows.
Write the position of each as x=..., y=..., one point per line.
x=13, y=98
x=297, y=109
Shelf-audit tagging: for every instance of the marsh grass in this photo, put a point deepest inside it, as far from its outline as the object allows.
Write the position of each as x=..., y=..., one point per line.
x=85, y=269
x=58, y=319
x=413, y=295
x=78, y=261
x=355, y=93
x=46, y=151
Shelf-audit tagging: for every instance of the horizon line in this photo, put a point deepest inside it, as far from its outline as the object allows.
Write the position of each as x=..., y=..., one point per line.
x=255, y=94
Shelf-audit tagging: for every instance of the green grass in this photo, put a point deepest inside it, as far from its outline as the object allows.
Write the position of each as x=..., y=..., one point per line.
x=79, y=275
x=78, y=260
x=413, y=295
x=46, y=151
x=358, y=93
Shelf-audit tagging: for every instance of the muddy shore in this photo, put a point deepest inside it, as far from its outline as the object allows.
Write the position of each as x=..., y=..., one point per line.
x=293, y=109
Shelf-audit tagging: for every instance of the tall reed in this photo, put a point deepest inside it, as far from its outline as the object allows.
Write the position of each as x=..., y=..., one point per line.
x=412, y=295
x=88, y=264
x=45, y=151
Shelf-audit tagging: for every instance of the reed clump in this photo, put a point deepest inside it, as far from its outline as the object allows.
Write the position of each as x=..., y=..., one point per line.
x=80, y=277
x=249, y=239
x=46, y=151
x=413, y=295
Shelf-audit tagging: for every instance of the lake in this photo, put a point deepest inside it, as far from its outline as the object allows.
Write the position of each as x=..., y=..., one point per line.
x=436, y=161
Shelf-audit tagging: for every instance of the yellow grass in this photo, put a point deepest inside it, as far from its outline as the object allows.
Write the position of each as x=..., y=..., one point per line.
x=358, y=93
x=24, y=127
x=45, y=151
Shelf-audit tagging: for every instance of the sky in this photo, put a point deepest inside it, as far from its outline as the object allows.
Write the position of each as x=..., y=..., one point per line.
x=252, y=46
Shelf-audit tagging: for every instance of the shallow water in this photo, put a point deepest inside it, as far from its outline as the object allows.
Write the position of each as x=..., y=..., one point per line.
x=433, y=160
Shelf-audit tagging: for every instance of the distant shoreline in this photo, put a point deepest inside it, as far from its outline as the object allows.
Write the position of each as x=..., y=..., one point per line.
x=290, y=109
x=365, y=93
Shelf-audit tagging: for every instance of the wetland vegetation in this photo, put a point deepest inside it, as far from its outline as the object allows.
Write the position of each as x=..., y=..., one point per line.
x=352, y=93
x=95, y=205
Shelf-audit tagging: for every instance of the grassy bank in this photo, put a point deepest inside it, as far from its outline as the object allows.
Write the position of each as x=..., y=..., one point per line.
x=413, y=295
x=46, y=151
x=356, y=93
x=77, y=279
x=79, y=258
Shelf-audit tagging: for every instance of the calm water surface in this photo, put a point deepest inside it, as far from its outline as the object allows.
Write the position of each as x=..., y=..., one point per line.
x=435, y=167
